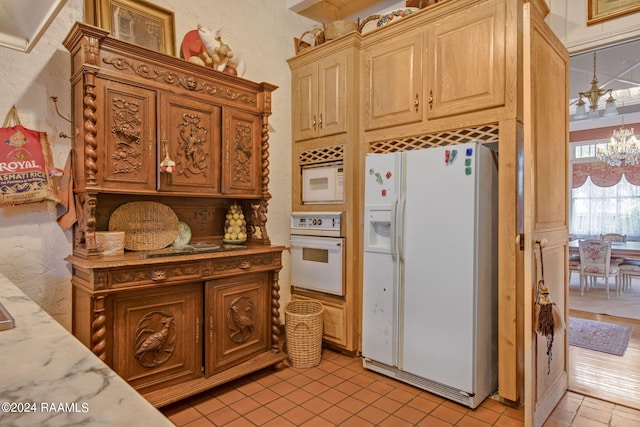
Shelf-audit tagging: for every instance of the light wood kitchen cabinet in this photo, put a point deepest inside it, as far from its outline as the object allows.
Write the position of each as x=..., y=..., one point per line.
x=465, y=65
x=334, y=67
x=393, y=80
x=320, y=90
x=171, y=321
x=435, y=66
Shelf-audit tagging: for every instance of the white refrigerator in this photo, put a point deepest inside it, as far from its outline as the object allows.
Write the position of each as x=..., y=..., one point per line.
x=430, y=269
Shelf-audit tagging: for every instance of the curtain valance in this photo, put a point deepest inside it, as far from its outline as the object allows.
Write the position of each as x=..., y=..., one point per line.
x=603, y=175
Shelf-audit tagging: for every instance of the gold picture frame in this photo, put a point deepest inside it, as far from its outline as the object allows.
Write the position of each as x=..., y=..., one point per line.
x=603, y=10
x=135, y=21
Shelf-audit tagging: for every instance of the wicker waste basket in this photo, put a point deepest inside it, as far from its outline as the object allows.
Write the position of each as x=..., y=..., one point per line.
x=303, y=328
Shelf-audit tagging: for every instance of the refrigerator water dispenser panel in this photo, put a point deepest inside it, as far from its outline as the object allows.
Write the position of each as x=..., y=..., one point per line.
x=378, y=234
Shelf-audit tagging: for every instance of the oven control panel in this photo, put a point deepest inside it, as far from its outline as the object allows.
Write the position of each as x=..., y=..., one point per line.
x=317, y=223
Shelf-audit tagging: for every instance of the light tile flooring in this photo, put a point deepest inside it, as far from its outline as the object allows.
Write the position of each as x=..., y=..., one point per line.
x=340, y=392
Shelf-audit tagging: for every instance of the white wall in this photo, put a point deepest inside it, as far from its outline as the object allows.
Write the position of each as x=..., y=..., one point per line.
x=568, y=20
x=32, y=246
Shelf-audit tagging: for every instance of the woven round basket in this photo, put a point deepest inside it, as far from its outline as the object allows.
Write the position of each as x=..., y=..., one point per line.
x=303, y=328
x=147, y=225
x=110, y=242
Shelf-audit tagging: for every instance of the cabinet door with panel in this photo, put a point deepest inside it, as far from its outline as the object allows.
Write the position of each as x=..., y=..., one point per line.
x=392, y=85
x=237, y=315
x=157, y=337
x=190, y=130
x=241, y=154
x=466, y=61
x=128, y=135
x=320, y=91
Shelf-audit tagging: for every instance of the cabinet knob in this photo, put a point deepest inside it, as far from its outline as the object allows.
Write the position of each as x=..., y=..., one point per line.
x=416, y=102
x=245, y=265
x=313, y=123
x=320, y=122
x=430, y=99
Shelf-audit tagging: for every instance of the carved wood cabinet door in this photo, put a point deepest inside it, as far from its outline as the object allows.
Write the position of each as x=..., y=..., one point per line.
x=190, y=133
x=241, y=154
x=237, y=314
x=157, y=336
x=129, y=134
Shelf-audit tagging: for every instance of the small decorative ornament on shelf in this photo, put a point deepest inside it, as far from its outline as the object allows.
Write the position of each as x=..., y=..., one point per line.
x=622, y=149
x=167, y=165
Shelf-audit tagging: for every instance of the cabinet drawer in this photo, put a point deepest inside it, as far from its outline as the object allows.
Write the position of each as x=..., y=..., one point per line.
x=229, y=266
x=153, y=274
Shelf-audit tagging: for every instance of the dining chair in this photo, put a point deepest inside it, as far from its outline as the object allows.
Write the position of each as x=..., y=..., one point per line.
x=628, y=270
x=615, y=237
x=595, y=262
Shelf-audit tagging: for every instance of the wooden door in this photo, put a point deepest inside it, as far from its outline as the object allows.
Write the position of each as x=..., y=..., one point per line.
x=392, y=86
x=241, y=154
x=192, y=130
x=466, y=61
x=237, y=315
x=157, y=336
x=304, y=89
x=545, y=178
x=332, y=94
x=129, y=135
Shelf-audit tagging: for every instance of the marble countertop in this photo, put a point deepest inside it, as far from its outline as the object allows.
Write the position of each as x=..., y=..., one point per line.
x=48, y=378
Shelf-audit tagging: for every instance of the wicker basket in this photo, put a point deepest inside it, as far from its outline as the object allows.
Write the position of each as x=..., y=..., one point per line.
x=110, y=242
x=337, y=29
x=303, y=328
x=147, y=225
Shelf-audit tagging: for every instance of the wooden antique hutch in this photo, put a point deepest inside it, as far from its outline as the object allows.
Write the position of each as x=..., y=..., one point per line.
x=212, y=315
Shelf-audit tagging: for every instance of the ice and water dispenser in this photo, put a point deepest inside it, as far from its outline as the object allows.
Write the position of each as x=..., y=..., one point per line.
x=379, y=231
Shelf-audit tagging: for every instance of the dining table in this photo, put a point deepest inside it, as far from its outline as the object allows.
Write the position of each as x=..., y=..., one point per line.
x=618, y=249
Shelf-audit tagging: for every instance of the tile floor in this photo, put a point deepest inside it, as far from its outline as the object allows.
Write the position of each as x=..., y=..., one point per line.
x=340, y=392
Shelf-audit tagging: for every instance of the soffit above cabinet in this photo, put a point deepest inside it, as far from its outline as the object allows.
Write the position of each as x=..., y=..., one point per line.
x=326, y=11
x=22, y=22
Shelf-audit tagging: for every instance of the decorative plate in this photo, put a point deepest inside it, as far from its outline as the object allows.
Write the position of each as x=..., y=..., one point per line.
x=395, y=15
x=234, y=242
x=184, y=235
x=147, y=225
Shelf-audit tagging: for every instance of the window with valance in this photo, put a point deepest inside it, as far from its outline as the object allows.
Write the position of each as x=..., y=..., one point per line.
x=605, y=199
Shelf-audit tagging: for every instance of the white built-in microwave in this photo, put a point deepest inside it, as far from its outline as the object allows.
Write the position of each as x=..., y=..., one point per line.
x=323, y=183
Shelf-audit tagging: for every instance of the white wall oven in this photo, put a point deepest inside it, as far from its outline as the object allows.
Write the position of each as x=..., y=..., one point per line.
x=317, y=252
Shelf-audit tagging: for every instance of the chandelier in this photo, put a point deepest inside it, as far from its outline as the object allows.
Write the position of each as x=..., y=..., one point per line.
x=621, y=149
x=593, y=95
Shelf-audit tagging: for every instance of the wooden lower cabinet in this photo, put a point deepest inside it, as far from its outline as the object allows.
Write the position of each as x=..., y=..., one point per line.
x=236, y=307
x=157, y=336
x=177, y=326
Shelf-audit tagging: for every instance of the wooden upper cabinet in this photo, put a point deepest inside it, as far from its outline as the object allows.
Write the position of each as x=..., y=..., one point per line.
x=392, y=84
x=320, y=97
x=129, y=134
x=465, y=67
x=241, y=149
x=191, y=130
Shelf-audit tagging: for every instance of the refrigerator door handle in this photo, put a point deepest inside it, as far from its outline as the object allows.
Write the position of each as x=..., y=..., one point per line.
x=394, y=219
x=400, y=226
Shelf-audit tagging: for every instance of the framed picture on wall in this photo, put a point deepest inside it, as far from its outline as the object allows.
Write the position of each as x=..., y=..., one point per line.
x=134, y=21
x=603, y=10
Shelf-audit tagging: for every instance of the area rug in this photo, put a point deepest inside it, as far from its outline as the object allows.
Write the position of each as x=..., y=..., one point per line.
x=605, y=337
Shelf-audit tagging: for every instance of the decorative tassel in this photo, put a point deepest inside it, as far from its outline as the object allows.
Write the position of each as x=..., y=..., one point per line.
x=167, y=165
x=547, y=317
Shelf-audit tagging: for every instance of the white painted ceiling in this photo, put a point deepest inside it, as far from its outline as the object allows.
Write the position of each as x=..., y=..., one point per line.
x=22, y=22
